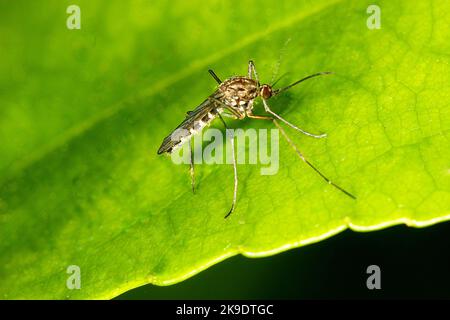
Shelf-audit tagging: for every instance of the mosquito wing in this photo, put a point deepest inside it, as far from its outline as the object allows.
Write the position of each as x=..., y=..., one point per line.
x=195, y=120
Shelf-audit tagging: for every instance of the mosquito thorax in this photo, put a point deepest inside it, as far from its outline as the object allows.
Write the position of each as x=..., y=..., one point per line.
x=265, y=91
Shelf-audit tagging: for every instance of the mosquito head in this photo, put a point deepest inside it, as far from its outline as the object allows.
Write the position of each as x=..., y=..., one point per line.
x=265, y=91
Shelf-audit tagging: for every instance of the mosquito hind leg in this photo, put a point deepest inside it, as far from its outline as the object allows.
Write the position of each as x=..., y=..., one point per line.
x=268, y=110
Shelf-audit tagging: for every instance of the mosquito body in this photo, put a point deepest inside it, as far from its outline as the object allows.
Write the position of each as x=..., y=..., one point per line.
x=234, y=98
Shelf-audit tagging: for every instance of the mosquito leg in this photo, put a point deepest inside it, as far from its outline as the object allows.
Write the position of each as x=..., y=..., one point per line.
x=266, y=107
x=213, y=74
x=233, y=205
x=309, y=163
x=191, y=162
x=253, y=116
x=251, y=67
x=235, y=112
x=302, y=157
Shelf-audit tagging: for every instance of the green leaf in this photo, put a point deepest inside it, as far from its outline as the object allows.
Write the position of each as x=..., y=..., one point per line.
x=84, y=112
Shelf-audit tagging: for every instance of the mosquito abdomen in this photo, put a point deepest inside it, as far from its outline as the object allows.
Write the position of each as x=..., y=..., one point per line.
x=186, y=130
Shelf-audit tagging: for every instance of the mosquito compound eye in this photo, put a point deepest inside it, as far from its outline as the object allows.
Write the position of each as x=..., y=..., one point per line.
x=266, y=92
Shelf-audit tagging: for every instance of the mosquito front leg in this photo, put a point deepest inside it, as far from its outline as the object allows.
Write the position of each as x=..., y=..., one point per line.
x=301, y=156
x=191, y=162
x=268, y=110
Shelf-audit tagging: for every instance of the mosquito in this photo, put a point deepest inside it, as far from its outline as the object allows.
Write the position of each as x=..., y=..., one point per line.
x=234, y=98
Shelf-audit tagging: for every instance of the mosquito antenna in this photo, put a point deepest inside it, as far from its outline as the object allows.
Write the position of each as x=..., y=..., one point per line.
x=275, y=92
x=279, y=78
x=213, y=74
